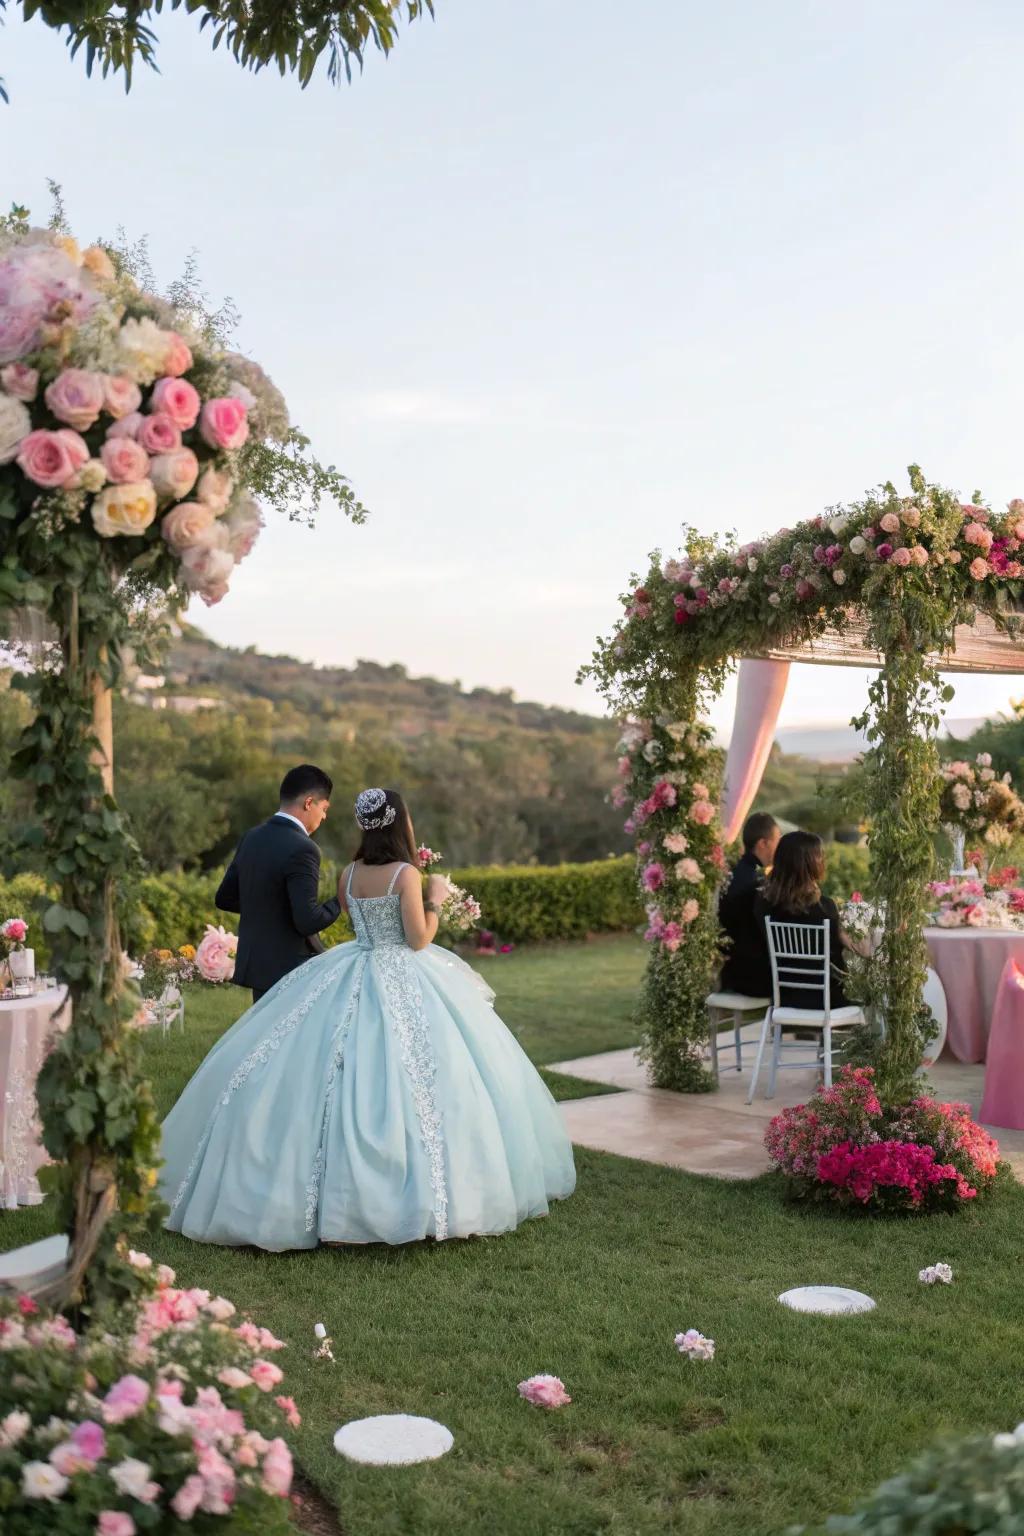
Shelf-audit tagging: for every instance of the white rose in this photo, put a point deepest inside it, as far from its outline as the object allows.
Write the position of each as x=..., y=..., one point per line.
x=751, y=566
x=858, y=545
x=41, y=1481
x=839, y=577
x=14, y=1427
x=838, y=524
x=131, y=1477
x=144, y=348
x=243, y=524
x=15, y=423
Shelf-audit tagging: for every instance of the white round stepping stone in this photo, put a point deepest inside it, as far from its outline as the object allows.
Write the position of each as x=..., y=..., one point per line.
x=393, y=1440
x=830, y=1300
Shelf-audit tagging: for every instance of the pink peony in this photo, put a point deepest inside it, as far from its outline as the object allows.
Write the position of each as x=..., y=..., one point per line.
x=177, y=399
x=49, y=459
x=215, y=957
x=901, y=556
x=124, y=459
x=174, y=474
x=702, y=812
x=76, y=397
x=179, y=355
x=701, y=792
x=16, y=931
x=126, y=426
x=977, y=533
x=675, y=842
x=889, y=523
x=235, y=1378
x=689, y=869
x=277, y=1469
x=671, y=936
x=20, y=382
x=979, y=569
x=113, y=1522
x=265, y=1374
x=206, y=569
x=125, y=1399
x=159, y=433
x=223, y=423
x=121, y=395
x=544, y=1392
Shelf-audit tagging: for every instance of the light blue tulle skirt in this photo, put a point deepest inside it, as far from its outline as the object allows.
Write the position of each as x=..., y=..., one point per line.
x=373, y=1096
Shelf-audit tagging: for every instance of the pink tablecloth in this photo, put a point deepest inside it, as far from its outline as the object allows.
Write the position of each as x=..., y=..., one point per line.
x=970, y=962
x=25, y=1029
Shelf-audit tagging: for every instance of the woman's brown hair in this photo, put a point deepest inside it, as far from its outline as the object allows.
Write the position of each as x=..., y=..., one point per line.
x=392, y=844
x=797, y=872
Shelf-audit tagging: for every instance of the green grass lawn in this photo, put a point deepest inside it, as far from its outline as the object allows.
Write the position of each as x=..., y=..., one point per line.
x=795, y=1417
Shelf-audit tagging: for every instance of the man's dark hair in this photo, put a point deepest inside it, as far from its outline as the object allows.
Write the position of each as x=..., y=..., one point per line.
x=761, y=824
x=306, y=780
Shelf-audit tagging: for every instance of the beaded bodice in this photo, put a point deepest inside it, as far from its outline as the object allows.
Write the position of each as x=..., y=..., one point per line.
x=377, y=920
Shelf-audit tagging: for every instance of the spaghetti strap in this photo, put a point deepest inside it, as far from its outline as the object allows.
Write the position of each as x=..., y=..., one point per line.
x=348, y=887
x=394, y=877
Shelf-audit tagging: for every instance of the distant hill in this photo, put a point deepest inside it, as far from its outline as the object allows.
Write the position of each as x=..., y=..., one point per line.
x=841, y=743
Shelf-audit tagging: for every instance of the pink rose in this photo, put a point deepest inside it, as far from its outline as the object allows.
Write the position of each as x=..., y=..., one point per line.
x=127, y=426
x=179, y=356
x=177, y=399
x=889, y=523
x=919, y=555
x=215, y=487
x=702, y=812
x=90, y=1441
x=124, y=459
x=977, y=533
x=125, y=1399
x=121, y=395
x=159, y=434
x=20, y=381
x=51, y=459
x=979, y=569
x=188, y=1497
x=265, y=1374
x=671, y=936
x=223, y=423
x=975, y=916
x=187, y=525
x=113, y=1522
x=701, y=792
x=901, y=556
x=544, y=1392
x=277, y=1469
x=174, y=474
x=231, y=1376
x=215, y=957
x=16, y=931
x=76, y=397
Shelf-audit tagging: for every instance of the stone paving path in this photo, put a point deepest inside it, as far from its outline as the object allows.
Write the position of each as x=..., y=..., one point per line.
x=717, y=1133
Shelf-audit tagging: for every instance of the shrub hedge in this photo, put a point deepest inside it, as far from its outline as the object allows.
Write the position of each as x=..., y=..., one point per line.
x=565, y=901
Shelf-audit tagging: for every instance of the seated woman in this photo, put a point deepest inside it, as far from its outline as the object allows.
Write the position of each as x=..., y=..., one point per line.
x=793, y=895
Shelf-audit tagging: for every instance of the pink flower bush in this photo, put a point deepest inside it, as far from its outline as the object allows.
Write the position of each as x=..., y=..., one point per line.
x=215, y=957
x=544, y=1392
x=845, y=1145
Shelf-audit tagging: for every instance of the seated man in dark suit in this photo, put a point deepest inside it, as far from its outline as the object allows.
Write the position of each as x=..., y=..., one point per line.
x=273, y=883
x=746, y=967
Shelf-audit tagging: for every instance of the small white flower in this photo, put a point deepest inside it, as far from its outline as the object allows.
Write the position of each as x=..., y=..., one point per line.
x=752, y=566
x=14, y=1427
x=41, y=1481
x=131, y=1477
x=774, y=599
x=694, y=1345
x=839, y=577
x=838, y=524
x=320, y=1331
x=858, y=545
x=139, y=1260
x=936, y=1273
x=15, y=424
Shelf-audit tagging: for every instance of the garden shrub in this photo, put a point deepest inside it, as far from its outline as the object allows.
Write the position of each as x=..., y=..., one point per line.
x=846, y=867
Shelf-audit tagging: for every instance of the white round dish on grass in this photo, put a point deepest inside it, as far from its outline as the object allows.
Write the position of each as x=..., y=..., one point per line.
x=393, y=1440
x=829, y=1300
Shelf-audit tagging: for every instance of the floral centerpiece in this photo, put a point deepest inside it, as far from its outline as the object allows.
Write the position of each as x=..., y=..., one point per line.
x=845, y=1146
x=974, y=800
x=21, y=961
x=993, y=902
x=170, y=1413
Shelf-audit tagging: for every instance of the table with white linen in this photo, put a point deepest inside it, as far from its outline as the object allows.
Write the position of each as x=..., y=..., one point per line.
x=970, y=962
x=27, y=1025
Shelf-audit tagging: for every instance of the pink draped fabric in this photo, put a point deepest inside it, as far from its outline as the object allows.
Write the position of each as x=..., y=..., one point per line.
x=26, y=1027
x=1003, y=1103
x=970, y=963
x=762, y=687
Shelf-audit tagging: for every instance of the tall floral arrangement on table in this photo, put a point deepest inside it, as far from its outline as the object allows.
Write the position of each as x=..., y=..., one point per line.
x=975, y=802
x=908, y=568
x=669, y=780
x=137, y=451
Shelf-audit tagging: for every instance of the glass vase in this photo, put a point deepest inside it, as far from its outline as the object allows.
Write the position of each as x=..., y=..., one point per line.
x=958, y=837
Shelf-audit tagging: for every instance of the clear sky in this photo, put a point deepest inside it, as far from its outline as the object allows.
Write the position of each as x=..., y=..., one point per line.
x=555, y=278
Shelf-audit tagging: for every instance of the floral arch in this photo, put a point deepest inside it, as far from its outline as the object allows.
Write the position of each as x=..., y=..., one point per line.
x=920, y=583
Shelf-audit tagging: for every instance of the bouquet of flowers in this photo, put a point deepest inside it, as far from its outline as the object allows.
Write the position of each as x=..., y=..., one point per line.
x=13, y=934
x=845, y=1146
x=215, y=957
x=974, y=800
x=163, y=968
x=170, y=1413
x=978, y=904
x=459, y=911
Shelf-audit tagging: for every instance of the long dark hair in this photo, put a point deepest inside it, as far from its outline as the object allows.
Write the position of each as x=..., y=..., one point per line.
x=388, y=845
x=797, y=872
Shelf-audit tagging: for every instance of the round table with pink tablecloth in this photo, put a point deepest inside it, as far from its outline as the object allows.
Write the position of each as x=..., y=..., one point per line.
x=970, y=962
x=26, y=1025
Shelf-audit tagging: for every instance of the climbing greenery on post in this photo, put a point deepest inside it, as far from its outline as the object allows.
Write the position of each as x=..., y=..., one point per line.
x=916, y=565
x=132, y=445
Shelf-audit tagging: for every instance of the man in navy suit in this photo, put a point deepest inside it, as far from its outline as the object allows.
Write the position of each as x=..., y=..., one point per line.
x=746, y=967
x=273, y=882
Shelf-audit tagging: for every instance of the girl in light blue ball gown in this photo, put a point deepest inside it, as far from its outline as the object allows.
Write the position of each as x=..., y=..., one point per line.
x=372, y=1095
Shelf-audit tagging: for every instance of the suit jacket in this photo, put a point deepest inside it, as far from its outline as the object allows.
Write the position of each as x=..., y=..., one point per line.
x=273, y=883
x=746, y=967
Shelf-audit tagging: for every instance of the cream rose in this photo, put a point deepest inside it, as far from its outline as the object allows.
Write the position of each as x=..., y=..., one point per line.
x=121, y=395
x=174, y=474
x=145, y=349
x=15, y=426
x=187, y=526
x=124, y=509
x=215, y=487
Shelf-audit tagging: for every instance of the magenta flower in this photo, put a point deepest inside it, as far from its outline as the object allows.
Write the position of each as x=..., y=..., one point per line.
x=653, y=876
x=884, y=551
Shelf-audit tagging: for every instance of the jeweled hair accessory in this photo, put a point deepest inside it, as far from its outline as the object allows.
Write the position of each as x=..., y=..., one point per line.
x=373, y=811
